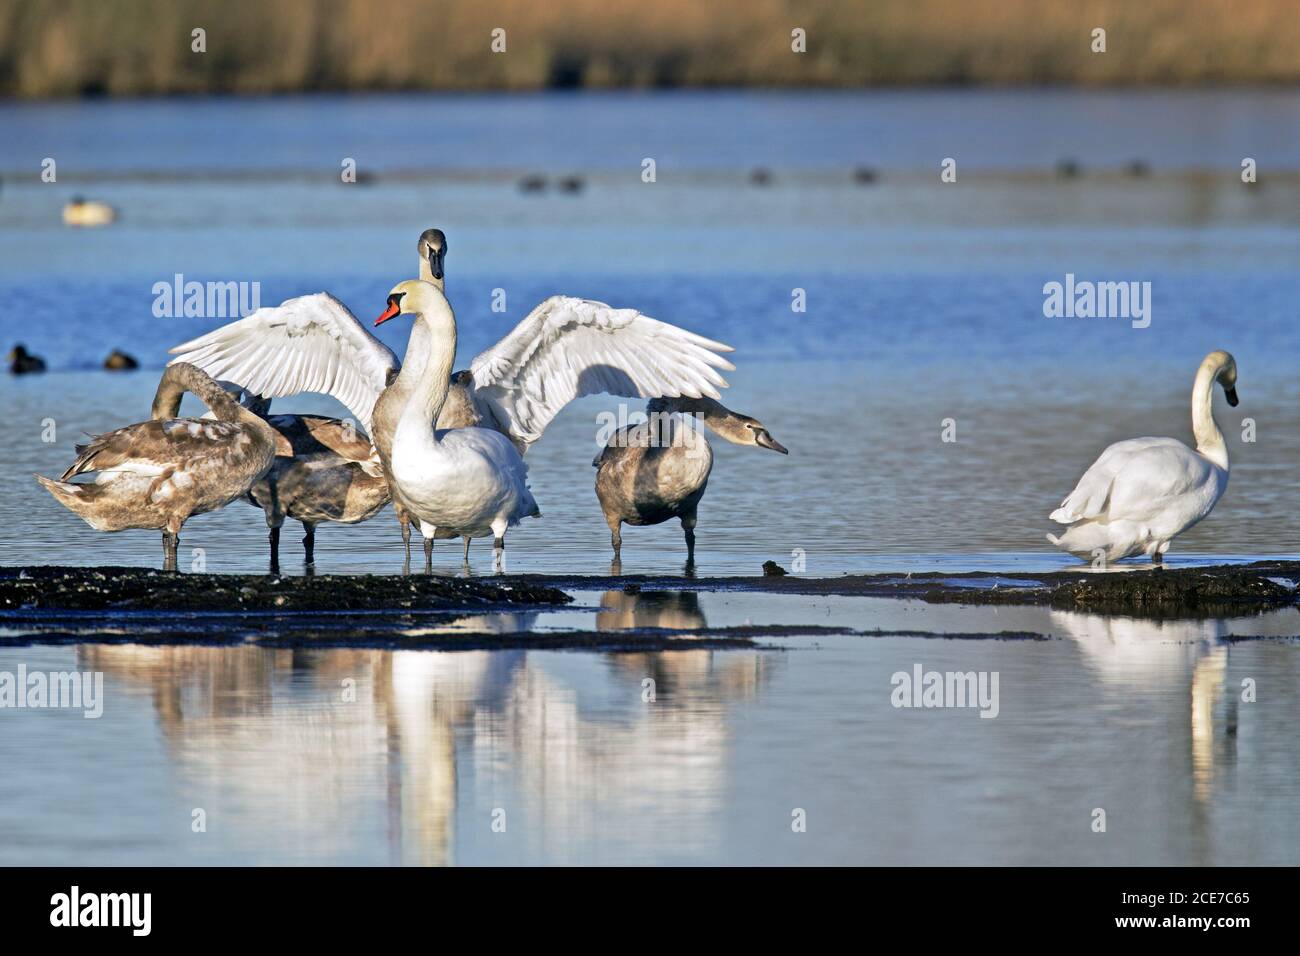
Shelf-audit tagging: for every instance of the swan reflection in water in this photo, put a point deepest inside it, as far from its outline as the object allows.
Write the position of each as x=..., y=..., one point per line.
x=713, y=674
x=1147, y=656
x=624, y=610
x=399, y=756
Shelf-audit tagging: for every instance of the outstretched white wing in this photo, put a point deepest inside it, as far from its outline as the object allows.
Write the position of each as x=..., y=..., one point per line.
x=567, y=348
x=308, y=344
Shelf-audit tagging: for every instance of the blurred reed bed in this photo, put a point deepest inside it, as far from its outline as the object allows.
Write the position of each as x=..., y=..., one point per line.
x=51, y=48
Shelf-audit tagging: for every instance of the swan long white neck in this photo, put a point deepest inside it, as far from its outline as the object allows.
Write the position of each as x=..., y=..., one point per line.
x=416, y=359
x=1209, y=440
x=429, y=360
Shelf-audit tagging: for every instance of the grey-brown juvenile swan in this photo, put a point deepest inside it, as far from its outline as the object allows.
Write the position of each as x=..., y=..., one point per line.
x=328, y=472
x=156, y=474
x=657, y=470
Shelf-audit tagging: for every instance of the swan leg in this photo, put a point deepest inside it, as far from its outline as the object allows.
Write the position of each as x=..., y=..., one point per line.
x=428, y=555
x=688, y=526
x=309, y=542
x=274, y=537
x=170, y=542
x=616, y=540
x=406, y=536
x=499, y=545
x=1157, y=557
x=465, y=557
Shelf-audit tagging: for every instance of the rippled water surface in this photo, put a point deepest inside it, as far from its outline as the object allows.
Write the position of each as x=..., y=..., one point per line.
x=1139, y=718
x=923, y=310
x=923, y=299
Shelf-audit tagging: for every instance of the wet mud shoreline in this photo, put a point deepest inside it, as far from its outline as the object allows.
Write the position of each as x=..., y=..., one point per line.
x=120, y=589
x=62, y=605
x=1209, y=591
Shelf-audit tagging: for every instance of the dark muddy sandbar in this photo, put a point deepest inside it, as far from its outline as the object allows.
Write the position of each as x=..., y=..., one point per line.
x=54, y=605
x=1212, y=591
x=121, y=589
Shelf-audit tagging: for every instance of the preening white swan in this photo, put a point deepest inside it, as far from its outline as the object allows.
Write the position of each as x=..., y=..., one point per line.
x=1142, y=493
x=471, y=480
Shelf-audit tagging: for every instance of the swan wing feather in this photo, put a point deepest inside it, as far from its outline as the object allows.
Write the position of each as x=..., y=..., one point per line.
x=156, y=447
x=567, y=348
x=308, y=344
x=1132, y=480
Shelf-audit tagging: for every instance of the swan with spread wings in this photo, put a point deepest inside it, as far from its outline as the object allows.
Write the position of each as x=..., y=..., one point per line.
x=564, y=349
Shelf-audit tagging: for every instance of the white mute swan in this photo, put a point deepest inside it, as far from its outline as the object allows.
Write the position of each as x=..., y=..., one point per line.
x=1142, y=493
x=658, y=470
x=471, y=480
x=333, y=473
x=566, y=348
x=158, y=473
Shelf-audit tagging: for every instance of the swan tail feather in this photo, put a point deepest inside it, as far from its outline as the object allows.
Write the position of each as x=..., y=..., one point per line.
x=77, y=498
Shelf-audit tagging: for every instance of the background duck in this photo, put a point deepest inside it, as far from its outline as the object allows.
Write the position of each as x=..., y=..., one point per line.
x=88, y=212
x=156, y=474
x=22, y=362
x=657, y=470
x=119, y=361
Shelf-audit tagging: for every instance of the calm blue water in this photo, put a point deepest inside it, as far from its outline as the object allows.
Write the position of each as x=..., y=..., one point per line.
x=924, y=303
x=1007, y=129
x=1141, y=719
x=924, y=300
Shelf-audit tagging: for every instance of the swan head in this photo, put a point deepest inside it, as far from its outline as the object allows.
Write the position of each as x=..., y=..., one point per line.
x=734, y=427
x=417, y=297
x=1224, y=367
x=432, y=248
x=749, y=431
x=255, y=403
